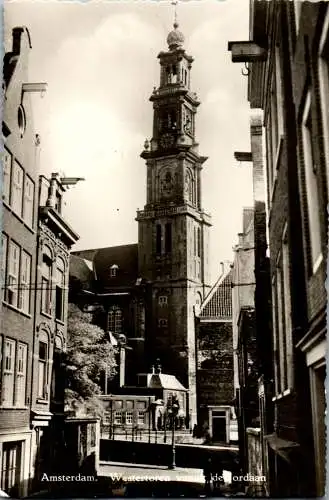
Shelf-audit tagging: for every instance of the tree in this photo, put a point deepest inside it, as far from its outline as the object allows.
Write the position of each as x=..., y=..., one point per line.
x=88, y=356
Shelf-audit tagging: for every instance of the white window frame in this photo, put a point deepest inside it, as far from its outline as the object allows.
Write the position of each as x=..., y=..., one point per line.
x=17, y=188
x=8, y=374
x=129, y=417
x=28, y=201
x=7, y=171
x=117, y=417
x=312, y=195
x=324, y=87
x=25, y=282
x=21, y=370
x=13, y=271
x=114, y=270
x=141, y=417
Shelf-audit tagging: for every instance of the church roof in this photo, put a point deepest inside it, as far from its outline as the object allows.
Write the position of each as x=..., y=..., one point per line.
x=123, y=259
x=218, y=303
x=81, y=269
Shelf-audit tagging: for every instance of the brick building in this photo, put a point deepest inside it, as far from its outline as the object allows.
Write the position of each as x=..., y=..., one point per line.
x=35, y=262
x=215, y=361
x=288, y=79
x=19, y=261
x=252, y=322
x=54, y=241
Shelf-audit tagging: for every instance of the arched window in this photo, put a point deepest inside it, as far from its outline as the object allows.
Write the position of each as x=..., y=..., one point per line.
x=115, y=319
x=60, y=288
x=46, y=272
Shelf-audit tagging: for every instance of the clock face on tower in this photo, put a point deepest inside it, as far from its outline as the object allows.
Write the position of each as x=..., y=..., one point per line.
x=167, y=140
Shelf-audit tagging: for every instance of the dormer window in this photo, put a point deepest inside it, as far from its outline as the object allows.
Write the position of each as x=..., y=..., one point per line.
x=114, y=270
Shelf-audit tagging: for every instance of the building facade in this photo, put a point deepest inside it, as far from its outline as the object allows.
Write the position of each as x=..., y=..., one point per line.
x=215, y=389
x=288, y=79
x=54, y=241
x=173, y=227
x=35, y=263
x=19, y=263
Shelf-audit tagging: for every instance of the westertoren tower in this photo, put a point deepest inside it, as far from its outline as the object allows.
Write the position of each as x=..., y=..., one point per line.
x=173, y=228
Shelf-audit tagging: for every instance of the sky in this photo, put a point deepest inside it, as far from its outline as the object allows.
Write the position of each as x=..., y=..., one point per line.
x=99, y=59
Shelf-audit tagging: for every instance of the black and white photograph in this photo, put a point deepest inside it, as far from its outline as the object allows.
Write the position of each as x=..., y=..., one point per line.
x=164, y=220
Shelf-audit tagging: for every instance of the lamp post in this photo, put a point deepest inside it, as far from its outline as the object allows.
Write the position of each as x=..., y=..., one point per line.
x=173, y=411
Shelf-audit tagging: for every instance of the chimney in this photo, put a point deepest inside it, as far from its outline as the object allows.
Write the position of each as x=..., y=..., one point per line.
x=241, y=238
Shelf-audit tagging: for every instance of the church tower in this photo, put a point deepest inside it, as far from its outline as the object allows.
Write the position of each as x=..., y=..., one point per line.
x=173, y=227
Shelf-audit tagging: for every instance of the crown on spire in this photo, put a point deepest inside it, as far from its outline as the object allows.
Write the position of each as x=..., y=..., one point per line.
x=175, y=38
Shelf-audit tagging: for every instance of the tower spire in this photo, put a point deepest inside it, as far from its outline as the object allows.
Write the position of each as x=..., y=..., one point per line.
x=174, y=3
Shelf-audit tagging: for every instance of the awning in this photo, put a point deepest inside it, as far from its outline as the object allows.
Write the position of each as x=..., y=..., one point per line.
x=282, y=447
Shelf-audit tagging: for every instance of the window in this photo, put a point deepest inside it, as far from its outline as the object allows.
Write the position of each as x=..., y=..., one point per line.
x=118, y=417
x=4, y=264
x=58, y=375
x=313, y=205
x=274, y=121
x=11, y=468
x=168, y=237
x=324, y=87
x=17, y=189
x=114, y=270
x=8, y=372
x=129, y=417
x=158, y=238
x=163, y=300
x=282, y=326
x=28, y=203
x=60, y=288
x=141, y=417
x=42, y=367
x=115, y=320
x=7, y=162
x=46, y=281
x=276, y=347
x=21, y=374
x=13, y=273
x=25, y=283
x=163, y=323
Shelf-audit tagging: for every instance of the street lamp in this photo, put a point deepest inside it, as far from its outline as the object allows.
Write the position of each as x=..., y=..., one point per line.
x=172, y=412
